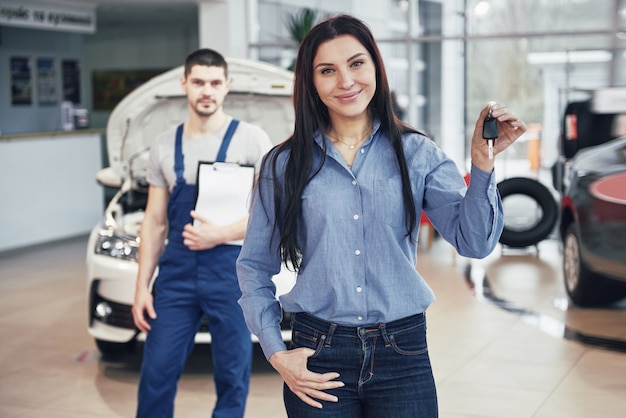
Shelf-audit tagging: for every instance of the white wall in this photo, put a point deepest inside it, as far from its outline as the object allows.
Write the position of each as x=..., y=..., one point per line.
x=48, y=189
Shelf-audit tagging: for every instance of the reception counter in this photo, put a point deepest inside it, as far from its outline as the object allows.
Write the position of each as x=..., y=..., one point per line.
x=48, y=189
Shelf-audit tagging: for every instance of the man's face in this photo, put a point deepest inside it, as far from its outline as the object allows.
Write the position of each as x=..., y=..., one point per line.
x=206, y=88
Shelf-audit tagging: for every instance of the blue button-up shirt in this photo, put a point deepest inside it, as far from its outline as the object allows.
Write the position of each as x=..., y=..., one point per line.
x=358, y=264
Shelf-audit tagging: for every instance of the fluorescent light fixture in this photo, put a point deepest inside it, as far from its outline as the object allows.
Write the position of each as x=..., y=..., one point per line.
x=562, y=57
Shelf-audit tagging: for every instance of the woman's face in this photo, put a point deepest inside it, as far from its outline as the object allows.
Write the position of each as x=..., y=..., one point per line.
x=344, y=76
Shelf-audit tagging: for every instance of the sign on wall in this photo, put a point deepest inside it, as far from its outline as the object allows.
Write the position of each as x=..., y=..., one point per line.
x=71, y=81
x=51, y=17
x=21, y=81
x=46, y=81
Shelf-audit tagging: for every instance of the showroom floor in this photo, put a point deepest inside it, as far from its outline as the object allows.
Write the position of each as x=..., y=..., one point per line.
x=503, y=344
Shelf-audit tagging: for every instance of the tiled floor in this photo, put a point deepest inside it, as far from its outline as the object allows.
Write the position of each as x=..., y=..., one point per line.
x=508, y=359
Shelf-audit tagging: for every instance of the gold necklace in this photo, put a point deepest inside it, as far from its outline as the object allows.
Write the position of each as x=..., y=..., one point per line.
x=350, y=146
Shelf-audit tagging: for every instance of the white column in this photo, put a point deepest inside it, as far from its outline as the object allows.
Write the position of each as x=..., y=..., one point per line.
x=223, y=26
x=413, y=24
x=453, y=132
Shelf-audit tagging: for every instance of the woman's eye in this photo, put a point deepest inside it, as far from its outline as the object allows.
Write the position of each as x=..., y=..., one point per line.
x=326, y=71
x=357, y=63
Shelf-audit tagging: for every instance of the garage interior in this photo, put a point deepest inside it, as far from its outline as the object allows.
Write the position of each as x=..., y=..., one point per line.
x=504, y=338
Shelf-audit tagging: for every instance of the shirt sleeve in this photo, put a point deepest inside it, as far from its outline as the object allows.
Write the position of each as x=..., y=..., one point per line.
x=154, y=173
x=260, y=145
x=482, y=209
x=258, y=262
x=470, y=218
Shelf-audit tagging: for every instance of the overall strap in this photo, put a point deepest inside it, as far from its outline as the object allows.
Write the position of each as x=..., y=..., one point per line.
x=221, y=155
x=179, y=164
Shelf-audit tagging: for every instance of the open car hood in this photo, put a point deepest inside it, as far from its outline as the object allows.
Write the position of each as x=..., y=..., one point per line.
x=260, y=93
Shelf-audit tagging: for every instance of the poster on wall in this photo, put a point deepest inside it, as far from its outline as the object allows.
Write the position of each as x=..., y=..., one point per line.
x=111, y=86
x=21, y=81
x=71, y=81
x=46, y=81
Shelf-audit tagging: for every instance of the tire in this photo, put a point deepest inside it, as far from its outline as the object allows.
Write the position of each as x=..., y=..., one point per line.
x=530, y=235
x=584, y=287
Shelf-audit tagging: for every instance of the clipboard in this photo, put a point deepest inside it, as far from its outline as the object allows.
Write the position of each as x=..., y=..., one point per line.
x=223, y=192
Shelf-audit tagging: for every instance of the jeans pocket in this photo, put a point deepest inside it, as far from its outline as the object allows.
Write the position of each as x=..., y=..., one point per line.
x=411, y=341
x=302, y=336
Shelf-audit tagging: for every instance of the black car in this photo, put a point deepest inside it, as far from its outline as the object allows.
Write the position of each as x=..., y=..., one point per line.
x=593, y=224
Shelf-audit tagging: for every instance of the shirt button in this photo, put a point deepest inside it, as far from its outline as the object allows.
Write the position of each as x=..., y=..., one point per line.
x=359, y=318
x=357, y=252
x=358, y=289
x=356, y=217
x=362, y=151
x=354, y=182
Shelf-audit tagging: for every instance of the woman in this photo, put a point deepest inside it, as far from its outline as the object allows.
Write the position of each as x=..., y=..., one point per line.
x=339, y=202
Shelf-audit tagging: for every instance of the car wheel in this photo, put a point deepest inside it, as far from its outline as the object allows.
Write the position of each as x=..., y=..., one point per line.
x=111, y=351
x=584, y=287
x=527, y=227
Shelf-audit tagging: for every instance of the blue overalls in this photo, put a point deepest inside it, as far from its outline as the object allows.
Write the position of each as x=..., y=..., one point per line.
x=189, y=284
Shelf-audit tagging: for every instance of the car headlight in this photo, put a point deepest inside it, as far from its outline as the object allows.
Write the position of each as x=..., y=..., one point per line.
x=117, y=246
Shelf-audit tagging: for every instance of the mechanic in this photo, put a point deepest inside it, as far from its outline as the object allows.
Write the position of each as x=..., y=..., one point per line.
x=196, y=273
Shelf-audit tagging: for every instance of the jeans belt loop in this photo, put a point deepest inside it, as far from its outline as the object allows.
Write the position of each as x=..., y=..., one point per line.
x=383, y=332
x=329, y=337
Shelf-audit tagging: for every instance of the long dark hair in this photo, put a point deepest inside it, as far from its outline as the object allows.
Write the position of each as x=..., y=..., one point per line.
x=312, y=115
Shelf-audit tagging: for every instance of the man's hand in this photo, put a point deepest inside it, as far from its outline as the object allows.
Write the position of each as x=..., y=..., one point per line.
x=308, y=386
x=143, y=305
x=203, y=236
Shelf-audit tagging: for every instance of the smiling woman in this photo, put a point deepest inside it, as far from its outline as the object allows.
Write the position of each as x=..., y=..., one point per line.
x=339, y=201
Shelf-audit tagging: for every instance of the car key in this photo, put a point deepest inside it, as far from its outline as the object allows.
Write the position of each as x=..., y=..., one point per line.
x=490, y=131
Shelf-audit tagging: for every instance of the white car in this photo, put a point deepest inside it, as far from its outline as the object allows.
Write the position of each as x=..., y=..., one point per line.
x=260, y=93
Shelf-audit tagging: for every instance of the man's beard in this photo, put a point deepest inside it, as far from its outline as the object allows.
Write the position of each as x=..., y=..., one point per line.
x=203, y=112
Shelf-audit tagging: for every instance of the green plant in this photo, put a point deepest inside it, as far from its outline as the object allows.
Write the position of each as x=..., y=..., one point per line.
x=299, y=24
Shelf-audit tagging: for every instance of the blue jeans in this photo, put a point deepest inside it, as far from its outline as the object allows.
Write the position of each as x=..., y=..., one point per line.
x=385, y=368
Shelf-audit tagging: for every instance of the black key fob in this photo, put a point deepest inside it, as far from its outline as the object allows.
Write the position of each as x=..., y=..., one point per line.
x=490, y=128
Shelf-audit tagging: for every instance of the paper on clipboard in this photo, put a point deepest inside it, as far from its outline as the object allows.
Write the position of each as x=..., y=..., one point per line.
x=223, y=192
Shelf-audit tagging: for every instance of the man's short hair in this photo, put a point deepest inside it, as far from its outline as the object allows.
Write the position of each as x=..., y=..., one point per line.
x=207, y=57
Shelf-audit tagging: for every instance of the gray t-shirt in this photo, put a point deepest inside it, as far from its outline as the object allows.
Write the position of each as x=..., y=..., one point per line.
x=247, y=147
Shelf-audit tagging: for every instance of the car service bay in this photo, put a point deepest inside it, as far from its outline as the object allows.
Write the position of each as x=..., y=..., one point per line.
x=536, y=329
